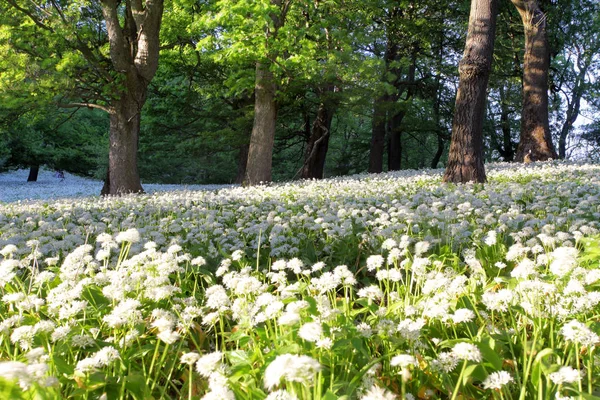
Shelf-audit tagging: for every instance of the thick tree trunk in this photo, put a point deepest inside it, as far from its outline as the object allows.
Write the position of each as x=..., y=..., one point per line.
x=123, y=176
x=33, y=173
x=134, y=48
x=395, y=141
x=465, y=161
x=260, y=151
x=318, y=143
x=535, y=128
x=378, y=135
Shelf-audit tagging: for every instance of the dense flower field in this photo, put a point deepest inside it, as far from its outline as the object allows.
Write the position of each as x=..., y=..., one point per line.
x=368, y=287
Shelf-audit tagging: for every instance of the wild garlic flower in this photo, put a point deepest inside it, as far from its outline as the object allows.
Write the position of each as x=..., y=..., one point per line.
x=565, y=375
x=467, y=351
x=311, y=331
x=190, y=358
x=209, y=363
x=577, y=332
x=290, y=368
x=496, y=380
x=131, y=235
x=281, y=395
x=378, y=393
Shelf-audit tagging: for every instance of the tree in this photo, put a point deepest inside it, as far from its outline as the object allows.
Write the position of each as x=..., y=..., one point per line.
x=535, y=136
x=465, y=161
x=576, y=59
x=260, y=151
x=116, y=82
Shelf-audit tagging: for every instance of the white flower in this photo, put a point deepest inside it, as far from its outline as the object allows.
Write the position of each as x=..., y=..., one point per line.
x=190, y=358
x=237, y=255
x=463, y=315
x=388, y=244
x=14, y=370
x=311, y=332
x=374, y=262
x=324, y=343
x=8, y=250
x=168, y=336
x=291, y=368
x=445, y=362
x=403, y=361
x=421, y=248
x=565, y=375
x=579, y=333
x=209, y=363
x=130, y=235
x=377, y=393
x=496, y=380
x=372, y=292
x=564, y=260
x=198, y=261
x=467, y=351
x=281, y=395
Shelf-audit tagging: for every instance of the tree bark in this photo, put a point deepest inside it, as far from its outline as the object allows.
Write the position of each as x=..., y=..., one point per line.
x=574, y=105
x=397, y=116
x=507, y=151
x=535, y=128
x=242, y=162
x=33, y=173
x=123, y=176
x=465, y=160
x=378, y=126
x=318, y=143
x=260, y=151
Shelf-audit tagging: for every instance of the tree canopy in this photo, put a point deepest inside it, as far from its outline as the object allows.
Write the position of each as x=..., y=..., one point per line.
x=206, y=91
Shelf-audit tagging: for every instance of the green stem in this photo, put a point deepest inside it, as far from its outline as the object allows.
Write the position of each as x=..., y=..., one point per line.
x=153, y=361
x=190, y=381
x=458, y=382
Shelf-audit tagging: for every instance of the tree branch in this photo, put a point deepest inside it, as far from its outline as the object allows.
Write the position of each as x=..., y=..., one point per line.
x=35, y=19
x=88, y=105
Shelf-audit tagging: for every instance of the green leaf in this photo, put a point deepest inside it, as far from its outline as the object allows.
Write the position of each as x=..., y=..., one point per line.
x=136, y=385
x=537, y=367
x=329, y=395
x=487, y=347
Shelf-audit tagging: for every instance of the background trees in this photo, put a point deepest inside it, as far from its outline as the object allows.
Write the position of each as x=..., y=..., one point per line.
x=327, y=87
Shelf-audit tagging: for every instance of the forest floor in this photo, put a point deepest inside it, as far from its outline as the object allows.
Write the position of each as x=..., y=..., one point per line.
x=373, y=286
x=14, y=186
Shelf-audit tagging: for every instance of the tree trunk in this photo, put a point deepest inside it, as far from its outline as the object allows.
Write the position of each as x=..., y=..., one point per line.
x=441, y=145
x=397, y=116
x=318, y=143
x=507, y=151
x=535, y=128
x=260, y=151
x=395, y=141
x=134, y=48
x=439, y=152
x=123, y=176
x=465, y=160
x=572, y=111
x=242, y=162
x=33, y=173
x=378, y=135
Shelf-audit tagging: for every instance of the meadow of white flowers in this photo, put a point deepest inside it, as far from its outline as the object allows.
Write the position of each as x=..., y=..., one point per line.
x=366, y=287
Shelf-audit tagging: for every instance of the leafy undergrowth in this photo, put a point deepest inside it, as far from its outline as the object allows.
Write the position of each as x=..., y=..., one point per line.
x=368, y=287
